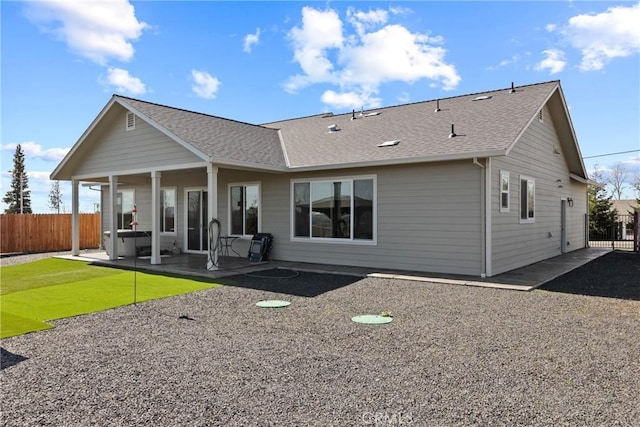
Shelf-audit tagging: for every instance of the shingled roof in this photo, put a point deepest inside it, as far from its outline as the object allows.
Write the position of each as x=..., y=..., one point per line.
x=223, y=140
x=485, y=124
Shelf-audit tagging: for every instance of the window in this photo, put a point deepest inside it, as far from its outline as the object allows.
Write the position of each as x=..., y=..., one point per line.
x=125, y=202
x=527, y=199
x=504, y=191
x=168, y=210
x=130, y=121
x=244, y=207
x=334, y=209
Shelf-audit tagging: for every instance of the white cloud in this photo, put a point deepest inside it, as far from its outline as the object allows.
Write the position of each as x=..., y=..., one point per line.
x=359, y=62
x=205, y=85
x=346, y=100
x=35, y=151
x=604, y=36
x=97, y=30
x=123, y=82
x=554, y=61
x=362, y=21
x=250, y=40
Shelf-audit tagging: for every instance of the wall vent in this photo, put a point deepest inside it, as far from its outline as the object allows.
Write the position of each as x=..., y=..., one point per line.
x=131, y=121
x=540, y=116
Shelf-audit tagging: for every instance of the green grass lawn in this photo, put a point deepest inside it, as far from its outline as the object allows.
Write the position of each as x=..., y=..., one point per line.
x=33, y=293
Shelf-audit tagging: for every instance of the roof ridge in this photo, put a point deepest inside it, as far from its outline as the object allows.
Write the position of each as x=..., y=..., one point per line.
x=184, y=110
x=412, y=103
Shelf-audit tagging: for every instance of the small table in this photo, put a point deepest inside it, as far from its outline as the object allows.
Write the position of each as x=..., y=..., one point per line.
x=227, y=243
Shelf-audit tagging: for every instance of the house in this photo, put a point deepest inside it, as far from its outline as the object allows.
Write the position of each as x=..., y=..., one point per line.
x=476, y=184
x=624, y=221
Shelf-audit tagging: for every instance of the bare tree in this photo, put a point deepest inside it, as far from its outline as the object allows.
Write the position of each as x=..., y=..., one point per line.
x=617, y=180
x=55, y=197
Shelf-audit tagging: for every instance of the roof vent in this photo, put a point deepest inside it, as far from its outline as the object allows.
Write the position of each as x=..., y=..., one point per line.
x=437, y=106
x=333, y=128
x=453, y=132
x=329, y=114
x=389, y=143
x=353, y=114
x=512, y=90
x=482, y=98
x=374, y=113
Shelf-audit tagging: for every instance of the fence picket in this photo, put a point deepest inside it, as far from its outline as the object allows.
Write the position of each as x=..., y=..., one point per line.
x=46, y=232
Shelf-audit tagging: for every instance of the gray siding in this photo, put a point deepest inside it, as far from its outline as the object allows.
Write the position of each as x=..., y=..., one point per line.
x=121, y=150
x=429, y=217
x=537, y=155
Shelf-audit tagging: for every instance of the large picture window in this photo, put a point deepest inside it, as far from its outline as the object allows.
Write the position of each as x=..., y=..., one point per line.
x=334, y=209
x=244, y=206
x=527, y=199
x=167, y=210
x=125, y=202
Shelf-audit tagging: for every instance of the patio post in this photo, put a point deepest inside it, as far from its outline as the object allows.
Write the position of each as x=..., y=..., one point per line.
x=212, y=188
x=155, y=217
x=212, y=208
x=113, y=218
x=75, y=218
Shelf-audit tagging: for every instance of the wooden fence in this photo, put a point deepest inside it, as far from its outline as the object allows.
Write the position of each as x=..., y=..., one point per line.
x=46, y=232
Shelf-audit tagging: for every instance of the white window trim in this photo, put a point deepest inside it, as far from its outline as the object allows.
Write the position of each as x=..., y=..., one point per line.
x=532, y=180
x=133, y=120
x=243, y=185
x=505, y=174
x=175, y=214
x=121, y=214
x=332, y=240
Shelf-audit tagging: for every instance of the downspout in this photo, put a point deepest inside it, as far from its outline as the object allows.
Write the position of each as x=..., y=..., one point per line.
x=485, y=193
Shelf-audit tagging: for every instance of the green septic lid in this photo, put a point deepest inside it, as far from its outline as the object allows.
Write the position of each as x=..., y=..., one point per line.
x=372, y=319
x=272, y=303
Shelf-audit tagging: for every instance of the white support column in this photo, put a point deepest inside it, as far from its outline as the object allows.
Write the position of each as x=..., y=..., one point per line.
x=113, y=217
x=212, y=189
x=75, y=218
x=212, y=209
x=155, y=217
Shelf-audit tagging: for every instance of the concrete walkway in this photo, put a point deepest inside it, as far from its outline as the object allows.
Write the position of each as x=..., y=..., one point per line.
x=521, y=279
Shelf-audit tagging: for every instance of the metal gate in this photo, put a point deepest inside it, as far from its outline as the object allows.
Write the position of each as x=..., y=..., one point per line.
x=621, y=234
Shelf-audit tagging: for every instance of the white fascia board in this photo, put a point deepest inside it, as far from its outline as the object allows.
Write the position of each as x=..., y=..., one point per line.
x=163, y=130
x=574, y=138
x=533, y=117
x=400, y=161
x=80, y=140
x=284, y=149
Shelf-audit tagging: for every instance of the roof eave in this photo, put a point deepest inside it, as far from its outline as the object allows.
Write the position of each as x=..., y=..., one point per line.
x=399, y=161
x=162, y=129
x=54, y=175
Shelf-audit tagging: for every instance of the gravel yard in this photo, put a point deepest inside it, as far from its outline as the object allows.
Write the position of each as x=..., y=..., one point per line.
x=453, y=356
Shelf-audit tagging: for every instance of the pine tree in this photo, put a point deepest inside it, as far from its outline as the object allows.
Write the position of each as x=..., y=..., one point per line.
x=601, y=214
x=55, y=197
x=18, y=197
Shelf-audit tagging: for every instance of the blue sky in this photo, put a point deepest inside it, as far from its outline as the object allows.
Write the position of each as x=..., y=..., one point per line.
x=265, y=61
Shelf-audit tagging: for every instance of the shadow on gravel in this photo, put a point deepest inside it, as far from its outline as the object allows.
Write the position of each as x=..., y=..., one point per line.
x=298, y=283
x=8, y=359
x=614, y=275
